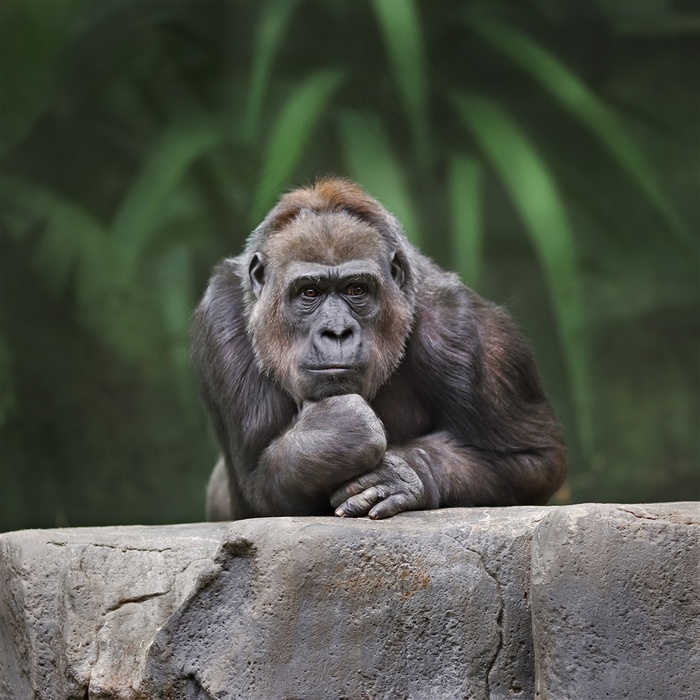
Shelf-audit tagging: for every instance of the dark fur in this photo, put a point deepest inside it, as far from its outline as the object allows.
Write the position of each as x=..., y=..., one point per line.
x=445, y=410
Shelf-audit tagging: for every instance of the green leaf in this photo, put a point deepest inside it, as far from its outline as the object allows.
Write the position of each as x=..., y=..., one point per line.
x=163, y=169
x=464, y=180
x=176, y=300
x=536, y=198
x=42, y=203
x=74, y=243
x=33, y=33
x=69, y=230
x=58, y=251
x=291, y=133
x=268, y=41
x=371, y=161
x=400, y=26
x=565, y=87
x=175, y=278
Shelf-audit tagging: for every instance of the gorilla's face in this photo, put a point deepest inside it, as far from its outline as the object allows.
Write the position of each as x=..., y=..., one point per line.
x=329, y=305
x=334, y=308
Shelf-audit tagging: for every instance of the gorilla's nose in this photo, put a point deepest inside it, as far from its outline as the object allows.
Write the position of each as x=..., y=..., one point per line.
x=338, y=342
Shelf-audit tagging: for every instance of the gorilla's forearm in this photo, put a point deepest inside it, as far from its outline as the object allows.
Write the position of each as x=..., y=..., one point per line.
x=466, y=476
x=331, y=441
x=435, y=471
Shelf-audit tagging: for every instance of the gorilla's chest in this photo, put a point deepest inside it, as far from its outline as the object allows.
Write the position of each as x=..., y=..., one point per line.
x=399, y=408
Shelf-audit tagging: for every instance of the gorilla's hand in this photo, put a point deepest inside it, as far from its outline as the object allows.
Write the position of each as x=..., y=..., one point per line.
x=390, y=489
x=340, y=435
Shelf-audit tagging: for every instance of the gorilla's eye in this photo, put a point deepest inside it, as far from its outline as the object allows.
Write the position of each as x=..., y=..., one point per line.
x=309, y=292
x=356, y=290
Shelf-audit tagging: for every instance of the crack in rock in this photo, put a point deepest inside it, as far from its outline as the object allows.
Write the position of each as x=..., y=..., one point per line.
x=499, y=616
x=135, y=599
x=105, y=545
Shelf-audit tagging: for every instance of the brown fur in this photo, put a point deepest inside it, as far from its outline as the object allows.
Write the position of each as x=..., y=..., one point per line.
x=329, y=195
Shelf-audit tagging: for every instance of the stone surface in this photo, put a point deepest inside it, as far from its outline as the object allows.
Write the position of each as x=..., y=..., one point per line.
x=79, y=607
x=616, y=602
x=329, y=608
x=425, y=605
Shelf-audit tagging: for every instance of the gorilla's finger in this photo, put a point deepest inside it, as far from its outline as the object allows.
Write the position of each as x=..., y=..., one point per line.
x=351, y=488
x=397, y=503
x=360, y=504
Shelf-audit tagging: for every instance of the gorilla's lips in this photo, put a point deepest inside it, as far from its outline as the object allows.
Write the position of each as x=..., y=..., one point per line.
x=336, y=372
x=333, y=370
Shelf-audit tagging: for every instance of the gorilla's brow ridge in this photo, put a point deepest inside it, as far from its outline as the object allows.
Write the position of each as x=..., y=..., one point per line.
x=350, y=271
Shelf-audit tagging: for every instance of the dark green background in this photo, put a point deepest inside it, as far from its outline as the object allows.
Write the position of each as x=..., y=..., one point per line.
x=546, y=150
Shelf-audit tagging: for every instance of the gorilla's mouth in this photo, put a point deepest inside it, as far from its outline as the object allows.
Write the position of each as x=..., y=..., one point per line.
x=332, y=368
x=335, y=371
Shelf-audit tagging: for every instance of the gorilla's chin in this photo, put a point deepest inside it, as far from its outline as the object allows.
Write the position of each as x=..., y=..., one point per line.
x=322, y=382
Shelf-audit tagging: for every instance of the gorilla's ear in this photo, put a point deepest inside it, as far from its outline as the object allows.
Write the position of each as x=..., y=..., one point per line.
x=256, y=274
x=398, y=273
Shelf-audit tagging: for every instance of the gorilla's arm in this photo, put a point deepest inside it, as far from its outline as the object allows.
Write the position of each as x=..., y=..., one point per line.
x=278, y=461
x=436, y=471
x=331, y=440
x=493, y=439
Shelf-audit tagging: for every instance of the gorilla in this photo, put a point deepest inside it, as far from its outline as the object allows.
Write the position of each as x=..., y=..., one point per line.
x=344, y=372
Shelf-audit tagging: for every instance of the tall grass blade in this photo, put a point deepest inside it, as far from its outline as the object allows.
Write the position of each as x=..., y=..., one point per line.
x=371, y=161
x=177, y=297
x=268, y=40
x=399, y=23
x=565, y=87
x=69, y=233
x=74, y=247
x=177, y=147
x=290, y=135
x=464, y=181
x=535, y=196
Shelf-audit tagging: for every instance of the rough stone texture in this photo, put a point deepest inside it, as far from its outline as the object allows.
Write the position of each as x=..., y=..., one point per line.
x=329, y=608
x=616, y=602
x=80, y=607
x=425, y=605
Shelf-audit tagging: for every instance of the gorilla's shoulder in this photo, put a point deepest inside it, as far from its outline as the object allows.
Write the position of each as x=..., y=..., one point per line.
x=220, y=314
x=441, y=294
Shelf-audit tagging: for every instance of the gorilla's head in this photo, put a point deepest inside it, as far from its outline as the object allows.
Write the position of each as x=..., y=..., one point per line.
x=330, y=292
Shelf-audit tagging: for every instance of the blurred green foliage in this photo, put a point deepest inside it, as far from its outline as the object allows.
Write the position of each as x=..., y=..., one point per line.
x=546, y=150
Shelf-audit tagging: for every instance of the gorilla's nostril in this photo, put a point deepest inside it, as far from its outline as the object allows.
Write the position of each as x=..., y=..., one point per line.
x=339, y=336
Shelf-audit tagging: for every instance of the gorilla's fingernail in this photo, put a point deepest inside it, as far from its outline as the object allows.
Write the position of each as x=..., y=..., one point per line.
x=340, y=512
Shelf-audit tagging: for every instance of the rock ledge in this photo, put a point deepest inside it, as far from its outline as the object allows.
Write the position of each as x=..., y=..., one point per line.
x=557, y=603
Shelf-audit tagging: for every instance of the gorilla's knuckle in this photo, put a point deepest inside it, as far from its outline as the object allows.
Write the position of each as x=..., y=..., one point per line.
x=352, y=402
x=376, y=445
x=383, y=491
x=361, y=503
x=350, y=507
